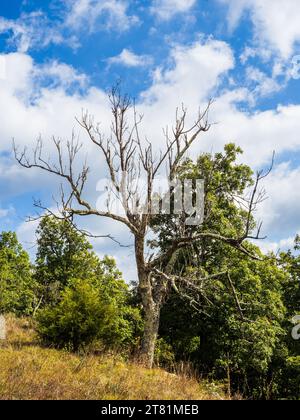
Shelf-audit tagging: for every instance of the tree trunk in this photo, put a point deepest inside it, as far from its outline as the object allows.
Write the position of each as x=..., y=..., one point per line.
x=149, y=336
x=150, y=307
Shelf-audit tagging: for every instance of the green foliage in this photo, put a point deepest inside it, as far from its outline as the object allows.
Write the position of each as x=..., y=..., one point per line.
x=83, y=315
x=290, y=379
x=289, y=384
x=164, y=355
x=17, y=287
x=79, y=318
x=237, y=331
x=224, y=343
x=86, y=298
x=224, y=179
x=63, y=254
x=210, y=330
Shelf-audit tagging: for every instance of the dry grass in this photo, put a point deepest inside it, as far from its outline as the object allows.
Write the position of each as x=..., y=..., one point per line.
x=28, y=371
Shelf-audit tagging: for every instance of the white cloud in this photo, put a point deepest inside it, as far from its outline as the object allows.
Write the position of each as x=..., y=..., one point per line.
x=258, y=133
x=28, y=109
x=36, y=31
x=26, y=235
x=281, y=245
x=128, y=58
x=276, y=22
x=166, y=9
x=194, y=72
x=263, y=84
x=86, y=13
x=281, y=211
x=61, y=74
x=33, y=30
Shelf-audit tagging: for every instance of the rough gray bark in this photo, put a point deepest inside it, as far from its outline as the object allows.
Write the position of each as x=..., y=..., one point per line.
x=151, y=320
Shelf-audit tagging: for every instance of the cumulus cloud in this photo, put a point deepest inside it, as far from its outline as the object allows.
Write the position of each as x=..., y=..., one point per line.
x=263, y=85
x=33, y=30
x=30, y=108
x=61, y=74
x=281, y=211
x=275, y=247
x=36, y=30
x=95, y=14
x=276, y=22
x=193, y=73
x=128, y=58
x=166, y=9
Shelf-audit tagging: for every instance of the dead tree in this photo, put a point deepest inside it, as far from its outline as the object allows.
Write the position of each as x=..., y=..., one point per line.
x=129, y=157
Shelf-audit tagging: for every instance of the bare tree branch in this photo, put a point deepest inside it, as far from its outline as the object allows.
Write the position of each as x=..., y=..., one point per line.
x=127, y=158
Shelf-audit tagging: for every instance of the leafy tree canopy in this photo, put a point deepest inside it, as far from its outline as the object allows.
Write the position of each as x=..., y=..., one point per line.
x=17, y=286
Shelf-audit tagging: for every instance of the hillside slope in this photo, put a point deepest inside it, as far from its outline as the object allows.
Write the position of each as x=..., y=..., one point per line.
x=28, y=371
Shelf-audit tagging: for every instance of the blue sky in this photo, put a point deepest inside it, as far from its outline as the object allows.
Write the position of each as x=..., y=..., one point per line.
x=57, y=57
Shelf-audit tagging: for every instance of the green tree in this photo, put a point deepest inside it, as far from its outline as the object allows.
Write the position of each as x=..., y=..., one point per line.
x=17, y=286
x=68, y=267
x=290, y=366
x=231, y=323
x=62, y=255
x=65, y=254
x=245, y=348
x=290, y=262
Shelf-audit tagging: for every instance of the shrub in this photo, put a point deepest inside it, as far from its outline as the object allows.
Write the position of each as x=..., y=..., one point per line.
x=79, y=318
x=82, y=316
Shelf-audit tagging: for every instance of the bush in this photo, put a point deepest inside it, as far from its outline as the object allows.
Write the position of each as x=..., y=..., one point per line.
x=82, y=317
x=79, y=318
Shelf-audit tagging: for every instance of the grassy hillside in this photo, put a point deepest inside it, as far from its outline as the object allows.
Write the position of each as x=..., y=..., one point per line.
x=29, y=371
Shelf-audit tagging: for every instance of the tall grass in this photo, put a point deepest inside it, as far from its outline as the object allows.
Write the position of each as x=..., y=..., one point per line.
x=29, y=371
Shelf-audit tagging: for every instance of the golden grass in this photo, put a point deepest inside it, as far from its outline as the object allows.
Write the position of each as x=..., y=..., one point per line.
x=28, y=371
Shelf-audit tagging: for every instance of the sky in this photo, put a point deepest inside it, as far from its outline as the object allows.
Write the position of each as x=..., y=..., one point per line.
x=59, y=57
